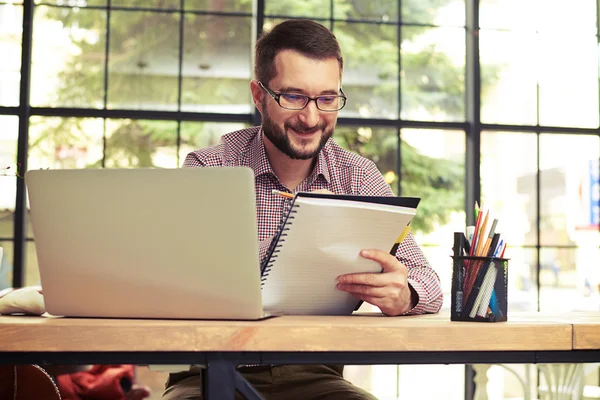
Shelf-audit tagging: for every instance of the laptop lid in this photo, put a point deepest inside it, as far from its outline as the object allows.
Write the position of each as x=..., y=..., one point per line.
x=147, y=243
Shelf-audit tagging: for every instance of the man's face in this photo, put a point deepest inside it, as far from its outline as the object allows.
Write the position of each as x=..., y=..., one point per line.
x=300, y=134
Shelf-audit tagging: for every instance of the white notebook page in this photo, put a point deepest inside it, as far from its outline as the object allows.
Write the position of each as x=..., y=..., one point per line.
x=323, y=242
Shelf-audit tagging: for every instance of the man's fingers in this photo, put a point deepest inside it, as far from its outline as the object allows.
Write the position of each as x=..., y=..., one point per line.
x=388, y=262
x=369, y=279
x=364, y=290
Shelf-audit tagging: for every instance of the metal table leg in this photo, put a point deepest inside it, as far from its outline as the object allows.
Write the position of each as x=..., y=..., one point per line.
x=222, y=380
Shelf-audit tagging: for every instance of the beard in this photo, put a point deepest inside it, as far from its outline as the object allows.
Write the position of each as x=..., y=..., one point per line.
x=281, y=139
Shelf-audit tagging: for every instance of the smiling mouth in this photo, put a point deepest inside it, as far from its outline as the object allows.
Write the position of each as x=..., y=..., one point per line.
x=305, y=133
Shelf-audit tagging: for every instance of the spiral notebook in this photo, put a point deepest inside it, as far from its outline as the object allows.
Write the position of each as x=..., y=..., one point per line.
x=320, y=239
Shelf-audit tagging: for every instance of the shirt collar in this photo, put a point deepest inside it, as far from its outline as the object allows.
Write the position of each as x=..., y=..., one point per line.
x=258, y=156
x=322, y=167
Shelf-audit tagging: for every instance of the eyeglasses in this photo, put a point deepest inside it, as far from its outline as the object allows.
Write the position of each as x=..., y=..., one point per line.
x=292, y=101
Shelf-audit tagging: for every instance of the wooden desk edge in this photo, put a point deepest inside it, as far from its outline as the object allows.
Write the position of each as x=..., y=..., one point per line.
x=586, y=337
x=408, y=334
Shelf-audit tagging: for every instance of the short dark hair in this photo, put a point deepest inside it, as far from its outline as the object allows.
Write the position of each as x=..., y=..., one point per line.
x=307, y=37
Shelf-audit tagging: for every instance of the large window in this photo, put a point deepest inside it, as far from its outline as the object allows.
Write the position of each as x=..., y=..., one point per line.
x=141, y=83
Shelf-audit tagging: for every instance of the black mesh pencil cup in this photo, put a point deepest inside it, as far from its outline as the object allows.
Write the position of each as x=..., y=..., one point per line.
x=479, y=289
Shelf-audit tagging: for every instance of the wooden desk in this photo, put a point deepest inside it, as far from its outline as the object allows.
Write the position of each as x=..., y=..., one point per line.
x=367, y=332
x=358, y=339
x=586, y=328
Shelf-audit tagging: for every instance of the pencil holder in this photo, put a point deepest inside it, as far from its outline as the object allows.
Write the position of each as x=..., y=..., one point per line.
x=479, y=289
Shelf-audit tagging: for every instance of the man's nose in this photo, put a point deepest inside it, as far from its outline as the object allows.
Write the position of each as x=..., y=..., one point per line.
x=309, y=115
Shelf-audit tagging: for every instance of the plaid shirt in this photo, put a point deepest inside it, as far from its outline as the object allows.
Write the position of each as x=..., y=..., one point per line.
x=337, y=170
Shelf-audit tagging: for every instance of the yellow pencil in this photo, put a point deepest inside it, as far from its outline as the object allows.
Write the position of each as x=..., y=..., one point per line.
x=403, y=235
x=400, y=239
x=283, y=194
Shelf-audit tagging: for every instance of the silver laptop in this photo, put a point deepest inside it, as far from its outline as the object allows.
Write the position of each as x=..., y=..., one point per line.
x=147, y=243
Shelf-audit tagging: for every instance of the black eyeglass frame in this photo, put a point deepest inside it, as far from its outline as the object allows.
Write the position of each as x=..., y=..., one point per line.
x=277, y=97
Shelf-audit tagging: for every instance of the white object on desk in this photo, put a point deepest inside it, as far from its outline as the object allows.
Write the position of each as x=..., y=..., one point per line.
x=28, y=300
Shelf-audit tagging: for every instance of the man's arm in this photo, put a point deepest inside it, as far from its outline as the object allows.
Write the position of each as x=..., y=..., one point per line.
x=423, y=282
x=421, y=277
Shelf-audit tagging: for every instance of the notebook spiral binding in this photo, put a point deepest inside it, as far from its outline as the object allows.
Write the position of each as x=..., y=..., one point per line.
x=287, y=216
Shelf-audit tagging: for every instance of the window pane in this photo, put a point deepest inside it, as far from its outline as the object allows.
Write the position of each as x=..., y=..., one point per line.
x=565, y=180
x=433, y=82
x=401, y=382
x=568, y=79
x=215, y=80
x=8, y=181
x=372, y=88
x=219, y=5
x=433, y=169
x=197, y=135
x=295, y=8
x=144, y=60
x=11, y=18
x=379, y=145
x=382, y=10
x=569, y=278
x=510, y=381
x=436, y=12
x=68, y=57
x=579, y=16
x=509, y=14
x=414, y=382
x=167, y=4
x=6, y=264
x=522, y=273
x=590, y=197
x=508, y=189
x=7, y=215
x=141, y=143
x=62, y=143
x=538, y=15
x=508, y=77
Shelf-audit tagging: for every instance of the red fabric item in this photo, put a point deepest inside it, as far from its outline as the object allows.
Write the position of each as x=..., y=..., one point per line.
x=101, y=382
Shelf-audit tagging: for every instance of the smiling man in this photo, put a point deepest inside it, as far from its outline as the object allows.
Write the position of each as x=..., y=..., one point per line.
x=298, y=91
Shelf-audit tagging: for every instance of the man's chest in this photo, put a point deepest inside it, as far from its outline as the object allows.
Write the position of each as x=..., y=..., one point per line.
x=271, y=208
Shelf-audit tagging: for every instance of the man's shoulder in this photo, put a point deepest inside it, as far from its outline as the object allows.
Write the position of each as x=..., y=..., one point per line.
x=355, y=173
x=227, y=151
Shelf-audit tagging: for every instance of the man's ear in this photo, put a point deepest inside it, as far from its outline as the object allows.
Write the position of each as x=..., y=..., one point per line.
x=257, y=94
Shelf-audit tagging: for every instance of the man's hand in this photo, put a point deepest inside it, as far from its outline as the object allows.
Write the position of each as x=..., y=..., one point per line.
x=388, y=290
